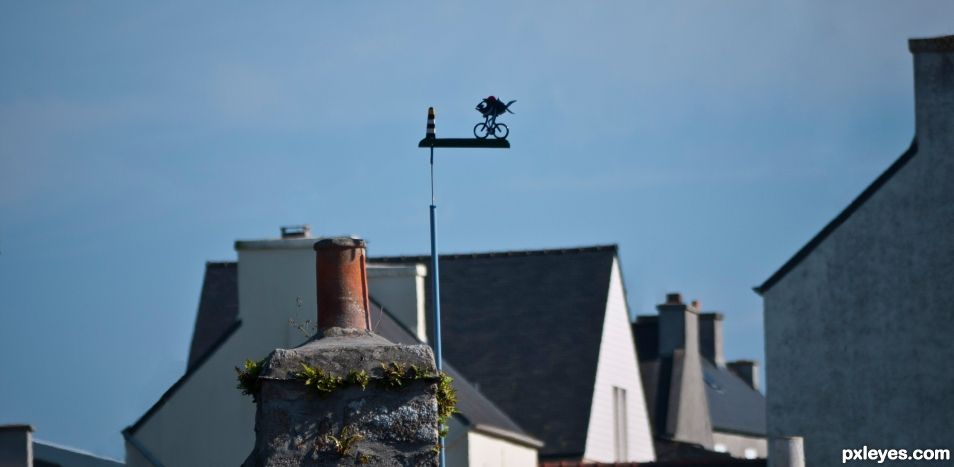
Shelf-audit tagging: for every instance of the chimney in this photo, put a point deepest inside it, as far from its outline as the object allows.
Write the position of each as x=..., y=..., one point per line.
x=748, y=370
x=678, y=326
x=342, y=284
x=348, y=396
x=296, y=231
x=710, y=338
x=786, y=451
x=685, y=416
x=933, y=90
x=16, y=446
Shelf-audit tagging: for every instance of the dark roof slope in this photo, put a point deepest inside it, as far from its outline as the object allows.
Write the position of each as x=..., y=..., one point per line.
x=218, y=308
x=840, y=218
x=733, y=405
x=526, y=326
x=473, y=407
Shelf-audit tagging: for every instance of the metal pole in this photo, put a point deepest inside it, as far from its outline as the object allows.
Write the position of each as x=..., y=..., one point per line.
x=436, y=293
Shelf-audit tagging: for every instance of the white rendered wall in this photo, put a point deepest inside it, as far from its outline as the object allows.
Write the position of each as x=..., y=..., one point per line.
x=490, y=451
x=400, y=290
x=618, y=367
x=207, y=421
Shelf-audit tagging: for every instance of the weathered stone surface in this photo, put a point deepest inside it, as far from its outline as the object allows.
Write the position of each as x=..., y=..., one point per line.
x=295, y=426
x=341, y=351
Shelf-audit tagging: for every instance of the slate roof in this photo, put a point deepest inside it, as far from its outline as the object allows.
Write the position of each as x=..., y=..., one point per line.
x=734, y=406
x=526, y=326
x=840, y=218
x=218, y=307
x=217, y=320
x=473, y=407
x=47, y=454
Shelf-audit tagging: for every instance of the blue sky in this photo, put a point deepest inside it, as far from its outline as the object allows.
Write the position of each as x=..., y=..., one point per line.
x=710, y=140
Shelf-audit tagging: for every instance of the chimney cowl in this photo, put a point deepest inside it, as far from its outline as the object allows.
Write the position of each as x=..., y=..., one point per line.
x=296, y=231
x=342, y=283
x=674, y=298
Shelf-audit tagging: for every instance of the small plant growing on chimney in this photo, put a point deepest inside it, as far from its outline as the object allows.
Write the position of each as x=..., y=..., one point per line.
x=446, y=402
x=320, y=380
x=345, y=440
x=359, y=378
x=394, y=374
x=248, y=380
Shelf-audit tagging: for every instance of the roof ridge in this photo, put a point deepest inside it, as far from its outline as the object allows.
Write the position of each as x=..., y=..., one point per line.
x=504, y=253
x=843, y=216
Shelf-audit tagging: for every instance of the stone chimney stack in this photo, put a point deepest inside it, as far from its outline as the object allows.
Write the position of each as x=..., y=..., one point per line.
x=348, y=396
x=710, y=338
x=16, y=446
x=686, y=416
x=678, y=326
x=934, y=92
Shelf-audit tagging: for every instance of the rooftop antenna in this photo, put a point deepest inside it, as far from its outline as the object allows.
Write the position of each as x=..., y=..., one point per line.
x=490, y=108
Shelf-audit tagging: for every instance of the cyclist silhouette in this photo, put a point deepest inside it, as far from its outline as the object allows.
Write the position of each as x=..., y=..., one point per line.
x=491, y=108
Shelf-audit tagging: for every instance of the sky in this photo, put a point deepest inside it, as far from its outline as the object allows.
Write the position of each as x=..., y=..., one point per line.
x=709, y=140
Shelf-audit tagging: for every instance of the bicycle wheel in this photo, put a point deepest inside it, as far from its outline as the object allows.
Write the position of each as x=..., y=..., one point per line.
x=501, y=131
x=481, y=131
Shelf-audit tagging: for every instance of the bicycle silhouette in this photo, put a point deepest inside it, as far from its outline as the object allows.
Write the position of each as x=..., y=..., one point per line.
x=491, y=108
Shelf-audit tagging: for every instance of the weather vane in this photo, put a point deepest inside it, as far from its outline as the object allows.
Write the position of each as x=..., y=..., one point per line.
x=491, y=108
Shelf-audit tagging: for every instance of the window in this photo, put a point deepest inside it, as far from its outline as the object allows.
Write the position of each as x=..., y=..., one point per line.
x=620, y=438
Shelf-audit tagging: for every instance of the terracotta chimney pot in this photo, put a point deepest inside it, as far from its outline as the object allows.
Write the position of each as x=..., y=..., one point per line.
x=342, y=283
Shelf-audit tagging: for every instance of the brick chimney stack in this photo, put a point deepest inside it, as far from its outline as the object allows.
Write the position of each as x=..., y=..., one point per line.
x=348, y=396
